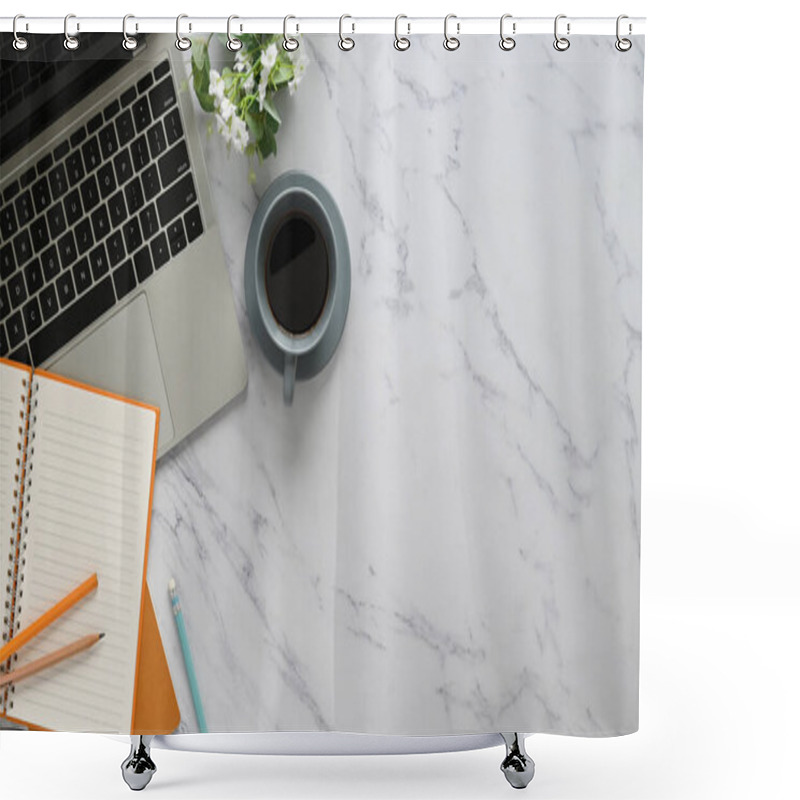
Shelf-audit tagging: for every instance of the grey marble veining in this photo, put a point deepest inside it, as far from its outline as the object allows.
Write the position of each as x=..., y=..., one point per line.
x=441, y=535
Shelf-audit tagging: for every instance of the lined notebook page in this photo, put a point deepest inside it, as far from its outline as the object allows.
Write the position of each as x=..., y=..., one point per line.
x=11, y=392
x=89, y=506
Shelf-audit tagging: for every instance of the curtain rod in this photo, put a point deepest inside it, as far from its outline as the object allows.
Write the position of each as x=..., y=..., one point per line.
x=300, y=24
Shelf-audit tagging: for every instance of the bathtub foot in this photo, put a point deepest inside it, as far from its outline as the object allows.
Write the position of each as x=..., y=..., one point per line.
x=517, y=766
x=138, y=768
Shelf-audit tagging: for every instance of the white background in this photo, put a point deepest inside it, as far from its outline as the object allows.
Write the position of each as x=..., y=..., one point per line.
x=720, y=669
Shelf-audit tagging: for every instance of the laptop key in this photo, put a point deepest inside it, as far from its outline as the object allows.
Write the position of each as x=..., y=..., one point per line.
x=108, y=141
x=124, y=124
x=105, y=177
x=193, y=223
x=176, y=199
x=44, y=164
x=156, y=139
x=162, y=69
x=133, y=235
x=133, y=196
x=66, y=249
x=72, y=320
x=90, y=194
x=41, y=195
x=32, y=316
x=98, y=262
x=56, y=221
x=141, y=114
x=123, y=167
x=143, y=264
x=173, y=164
x=100, y=223
x=61, y=150
x=159, y=250
x=95, y=123
x=72, y=207
x=27, y=177
x=162, y=97
x=4, y=346
x=115, y=248
x=24, y=206
x=82, y=276
x=177, y=237
x=50, y=265
x=83, y=235
x=145, y=83
x=58, y=181
x=16, y=290
x=149, y=221
x=34, y=278
x=39, y=234
x=91, y=154
x=22, y=355
x=10, y=191
x=110, y=110
x=172, y=124
x=15, y=329
x=77, y=137
x=150, y=182
x=74, y=166
x=48, y=301
x=5, y=305
x=22, y=247
x=7, y=263
x=116, y=208
x=140, y=155
x=128, y=96
x=124, y=279
x=65, y=289
x=8, y=221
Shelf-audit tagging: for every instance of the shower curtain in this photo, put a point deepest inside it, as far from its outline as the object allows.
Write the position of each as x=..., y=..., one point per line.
x=439, y=533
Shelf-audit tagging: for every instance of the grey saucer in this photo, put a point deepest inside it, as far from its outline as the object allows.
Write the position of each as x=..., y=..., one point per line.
x=297, y=191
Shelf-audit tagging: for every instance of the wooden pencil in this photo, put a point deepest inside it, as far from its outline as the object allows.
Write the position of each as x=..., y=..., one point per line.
x=78, y=646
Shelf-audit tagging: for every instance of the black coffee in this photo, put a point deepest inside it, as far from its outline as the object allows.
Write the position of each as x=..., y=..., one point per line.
x=297, y=273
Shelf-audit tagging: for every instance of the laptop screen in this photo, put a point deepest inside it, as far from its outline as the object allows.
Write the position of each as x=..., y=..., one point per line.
x=39, y=84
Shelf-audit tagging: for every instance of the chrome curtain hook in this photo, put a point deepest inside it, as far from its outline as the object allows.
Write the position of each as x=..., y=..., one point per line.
x=290, y=44
x=401, y=42
x=20, y=42
x=233, y=44
x=70, y=42
x=623, y=45
x=128, y=42
x=561, y=43
x=507, y=42
x=346, y=42
x=182, y=42
x=451, y=42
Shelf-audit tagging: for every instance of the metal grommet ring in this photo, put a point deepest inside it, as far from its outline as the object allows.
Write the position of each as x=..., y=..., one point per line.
x=20, y=42
x=561, y=43
x=128, y=42
x=507, y=42
x=290, y=44
x=451, y=42
x=623, y=45
x=346, y=42
x=183, y=43
x=70, y=42
x=233, y=44
x=401, y=42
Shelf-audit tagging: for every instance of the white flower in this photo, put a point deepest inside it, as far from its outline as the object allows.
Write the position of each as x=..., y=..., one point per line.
x=269, y=57
x=241, y=61
x=239, y=133
x=294, y=82
x=262, y=90
x=249, y=84
x=226, y=109
x=216, y=87
x=223, y=128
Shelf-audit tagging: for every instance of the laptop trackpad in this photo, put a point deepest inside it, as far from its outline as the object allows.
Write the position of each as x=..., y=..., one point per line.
x=121, y=357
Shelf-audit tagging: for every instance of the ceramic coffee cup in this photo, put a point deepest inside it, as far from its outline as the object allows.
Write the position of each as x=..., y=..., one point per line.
x=297, y=277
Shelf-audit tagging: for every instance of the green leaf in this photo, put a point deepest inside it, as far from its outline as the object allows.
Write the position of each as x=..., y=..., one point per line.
x=282, y=73
x=269, y=107
x=201, y=66
x=267, y=144
x=255, y=123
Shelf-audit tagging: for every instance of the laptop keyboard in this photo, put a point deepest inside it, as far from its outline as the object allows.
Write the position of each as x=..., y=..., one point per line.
x=95, y=218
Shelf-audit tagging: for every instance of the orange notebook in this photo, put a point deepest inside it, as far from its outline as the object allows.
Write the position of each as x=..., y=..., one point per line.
x=76, y=484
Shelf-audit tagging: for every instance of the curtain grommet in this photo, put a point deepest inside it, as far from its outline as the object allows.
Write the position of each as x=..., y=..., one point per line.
x=71, y=42
x=401, y=43
x=561, y=43
x=233, y=44
x=451, y=43
x=346, y=43
x=128, y=42
x=290, y=44
x=623, y=44
x=20, y=42
x=507, y=42
x=183, y=43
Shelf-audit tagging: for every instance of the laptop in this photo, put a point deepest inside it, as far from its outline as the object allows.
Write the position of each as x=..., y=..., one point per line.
x=111, y=264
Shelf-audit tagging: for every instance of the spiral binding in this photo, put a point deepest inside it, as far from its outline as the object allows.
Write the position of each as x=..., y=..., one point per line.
x=23, y=479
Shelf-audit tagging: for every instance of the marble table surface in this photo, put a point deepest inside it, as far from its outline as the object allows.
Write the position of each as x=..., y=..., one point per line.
x=441, y=535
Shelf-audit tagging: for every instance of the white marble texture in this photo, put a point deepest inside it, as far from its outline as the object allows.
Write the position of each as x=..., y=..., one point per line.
x=441, y=535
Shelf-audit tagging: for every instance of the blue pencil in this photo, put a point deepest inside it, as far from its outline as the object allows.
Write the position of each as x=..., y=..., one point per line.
x=187, y=656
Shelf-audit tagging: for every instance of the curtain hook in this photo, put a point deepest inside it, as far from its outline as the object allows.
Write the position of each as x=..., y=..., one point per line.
x=70, y=42
x=128, y=42
x=20, y=42
x=623, y=45
x=401, y=42
x=290, y=44
x=507, y=42
x=346, y=42
x=561, y=43
x=233, y=44
x=451, y=42
x=182, y=42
